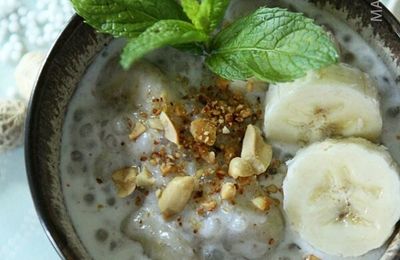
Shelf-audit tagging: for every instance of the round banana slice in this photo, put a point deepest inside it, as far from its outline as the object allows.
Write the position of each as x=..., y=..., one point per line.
x=343, y=196
x=335, y=101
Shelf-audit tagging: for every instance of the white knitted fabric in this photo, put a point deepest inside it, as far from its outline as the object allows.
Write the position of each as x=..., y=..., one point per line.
x=12, y=117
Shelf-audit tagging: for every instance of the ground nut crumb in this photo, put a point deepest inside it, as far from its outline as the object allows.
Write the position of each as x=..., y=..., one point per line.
x=262, y=203
x=209, y=205
x=228, y=191
x=204, y=130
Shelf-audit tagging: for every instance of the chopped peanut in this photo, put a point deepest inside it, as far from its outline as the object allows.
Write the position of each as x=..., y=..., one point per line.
x=256, y=150
x=210, y=157
x=209, y=205
x=228, y=191
x=125, y=181
x=176, y=195
x=155, y=123
x=225, y=130
x=239, y=167
x=262, y=203
x=203, y=130
x=170, y=131
x=145, y=178
x=167, y=168
x=137, y=131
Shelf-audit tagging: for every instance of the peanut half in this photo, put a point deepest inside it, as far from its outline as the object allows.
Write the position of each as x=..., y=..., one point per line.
x=176, y=195
x=239, y=167
x=155, y=123
x=145, y=178
x=125, y=181
x=256, y=150
x=170, y=131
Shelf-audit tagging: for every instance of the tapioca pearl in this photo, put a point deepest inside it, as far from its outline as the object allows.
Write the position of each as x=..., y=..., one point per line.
x=121, y=125
x=91, y=145
x=86, y=130
x=84, y=168
x=111, y=201
x=347, y=38
x=112, y=245
x=89, y=198
x=348, y=57
x=101, y=235
x=393, y=111
x=78, y=114
x=76, y=156
x=112, y=142
x=294, y=247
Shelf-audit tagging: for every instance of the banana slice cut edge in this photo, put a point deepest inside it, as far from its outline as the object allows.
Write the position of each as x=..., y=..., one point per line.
x=343, y=196
x=336, y=101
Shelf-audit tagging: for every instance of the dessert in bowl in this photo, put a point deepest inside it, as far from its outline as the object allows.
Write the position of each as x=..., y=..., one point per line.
x=168, y=160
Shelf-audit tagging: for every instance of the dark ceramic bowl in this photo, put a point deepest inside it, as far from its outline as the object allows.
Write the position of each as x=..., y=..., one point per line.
x=67, y=62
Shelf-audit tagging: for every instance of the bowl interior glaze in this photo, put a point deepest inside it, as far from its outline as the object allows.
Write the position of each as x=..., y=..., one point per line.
x=68, y=60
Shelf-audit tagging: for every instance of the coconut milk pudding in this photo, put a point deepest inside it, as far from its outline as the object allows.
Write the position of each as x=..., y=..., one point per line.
x=169, y=161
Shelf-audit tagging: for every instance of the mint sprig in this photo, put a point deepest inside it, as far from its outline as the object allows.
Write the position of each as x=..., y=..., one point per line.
x=271, y=44
x=162, y=33
x=126, y=18
x=207, y=15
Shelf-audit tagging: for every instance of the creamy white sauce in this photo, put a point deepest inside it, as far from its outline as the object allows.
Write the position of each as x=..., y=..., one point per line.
x=95, y=143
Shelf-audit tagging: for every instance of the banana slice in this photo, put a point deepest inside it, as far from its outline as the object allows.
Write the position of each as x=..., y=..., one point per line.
x=335, y=101
x=343, y=196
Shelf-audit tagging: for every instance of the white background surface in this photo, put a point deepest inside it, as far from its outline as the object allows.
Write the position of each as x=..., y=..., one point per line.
x=21, y=235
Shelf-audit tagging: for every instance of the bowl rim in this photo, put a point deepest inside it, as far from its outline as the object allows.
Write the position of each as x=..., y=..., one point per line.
x=56, y=238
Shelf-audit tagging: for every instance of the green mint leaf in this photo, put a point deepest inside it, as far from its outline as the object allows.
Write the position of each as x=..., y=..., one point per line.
x=162, y=33
x=273, y=45
x=207, y=15
x=191, y=8
x=126, y=17
x=211, y=13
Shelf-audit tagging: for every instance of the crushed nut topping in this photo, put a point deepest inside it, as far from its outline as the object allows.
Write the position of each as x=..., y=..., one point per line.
x=228, y=191
x=262, y=203
x=225, y=130
x=170, y=131
x=214, y=130
x=176, y=195
x=210, y=205
x=204, y=130
x=256, y=150
x=138, y=130
x=239, y=167
x=125, y=181
x=145, y=178
x=155, y=123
